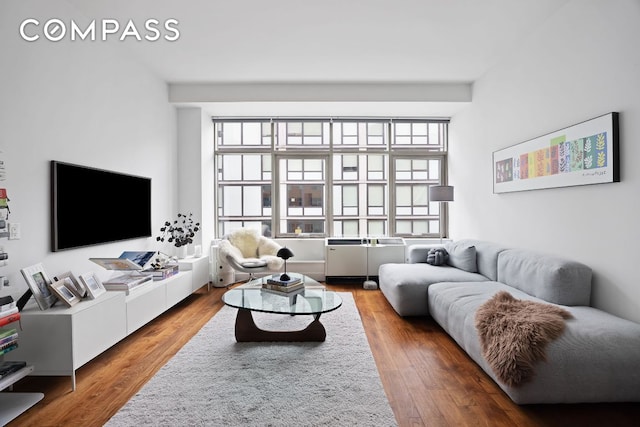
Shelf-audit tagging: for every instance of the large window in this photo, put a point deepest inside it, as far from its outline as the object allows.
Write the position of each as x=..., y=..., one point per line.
x=329, y=177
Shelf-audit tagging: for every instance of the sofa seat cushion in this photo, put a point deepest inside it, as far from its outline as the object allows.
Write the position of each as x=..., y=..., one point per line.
x=405, y=285
x=596, y=359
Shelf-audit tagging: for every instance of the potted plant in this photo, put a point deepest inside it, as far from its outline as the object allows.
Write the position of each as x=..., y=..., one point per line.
x=180, y=232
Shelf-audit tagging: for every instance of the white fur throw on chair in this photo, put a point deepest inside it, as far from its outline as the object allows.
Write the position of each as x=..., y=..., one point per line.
x=246, y=245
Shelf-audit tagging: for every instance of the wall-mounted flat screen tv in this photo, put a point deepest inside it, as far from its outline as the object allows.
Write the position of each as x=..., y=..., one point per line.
x=91, y=206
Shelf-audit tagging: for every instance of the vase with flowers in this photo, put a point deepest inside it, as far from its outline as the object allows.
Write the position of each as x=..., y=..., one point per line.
x=180, y=233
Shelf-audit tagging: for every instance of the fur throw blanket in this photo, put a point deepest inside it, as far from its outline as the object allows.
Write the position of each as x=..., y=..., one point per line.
x=514, y=334
x=247, y=247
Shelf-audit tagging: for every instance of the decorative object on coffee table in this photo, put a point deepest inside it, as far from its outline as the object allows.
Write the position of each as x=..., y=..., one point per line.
x=285, y=253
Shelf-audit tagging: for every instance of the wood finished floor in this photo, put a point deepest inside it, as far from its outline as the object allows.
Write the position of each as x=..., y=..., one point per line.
x=428, y=379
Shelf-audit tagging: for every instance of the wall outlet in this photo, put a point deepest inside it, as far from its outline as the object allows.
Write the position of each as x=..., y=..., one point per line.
x=14, y=230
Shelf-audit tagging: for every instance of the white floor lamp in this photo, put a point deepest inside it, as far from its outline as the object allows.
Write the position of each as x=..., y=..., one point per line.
x=441, y=193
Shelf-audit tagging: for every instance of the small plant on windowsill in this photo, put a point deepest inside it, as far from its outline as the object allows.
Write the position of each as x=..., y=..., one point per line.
x=180, y=232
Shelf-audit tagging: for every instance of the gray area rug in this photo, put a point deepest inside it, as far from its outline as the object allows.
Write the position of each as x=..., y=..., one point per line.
x=215, y=381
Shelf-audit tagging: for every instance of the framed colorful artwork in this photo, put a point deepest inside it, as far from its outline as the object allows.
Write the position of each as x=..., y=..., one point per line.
x=582, y=154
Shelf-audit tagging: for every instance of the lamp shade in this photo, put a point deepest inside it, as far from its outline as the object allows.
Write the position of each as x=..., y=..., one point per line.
x=441, y=193
x=284, y=253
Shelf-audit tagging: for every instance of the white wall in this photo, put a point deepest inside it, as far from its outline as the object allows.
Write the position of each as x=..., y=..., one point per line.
x=195, y=163
x=582, y=63
x=82, y=102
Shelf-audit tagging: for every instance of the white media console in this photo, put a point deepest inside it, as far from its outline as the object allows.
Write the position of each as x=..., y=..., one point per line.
x=60, y=340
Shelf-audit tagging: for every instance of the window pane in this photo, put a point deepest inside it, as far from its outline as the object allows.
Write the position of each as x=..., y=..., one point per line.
x=420, y=227
x=350, y=195
x=232, y=201
x=252, y=134
x=403, y=195
x=231, y=168
x=303, y=192
x=377, y=228
x=420, y=195
x=294, y=129
x=294, y=165
x=350, y=228
x=403, y=227
x=232, y=134
x=252, y=201
x=420, y=129
x=251, y=167
x=376, y=195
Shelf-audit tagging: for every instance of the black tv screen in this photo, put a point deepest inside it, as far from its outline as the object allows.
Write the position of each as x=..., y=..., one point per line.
x=90, y=206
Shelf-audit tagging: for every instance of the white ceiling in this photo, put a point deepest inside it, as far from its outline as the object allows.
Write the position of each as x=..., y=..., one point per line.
x=346, y=41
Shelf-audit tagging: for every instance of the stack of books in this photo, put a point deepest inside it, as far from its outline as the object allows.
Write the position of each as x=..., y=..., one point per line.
x=8, y=368
x=162, y=273
x=9, y=312
x=274, y=283
x=8, y=340
x=127, y=282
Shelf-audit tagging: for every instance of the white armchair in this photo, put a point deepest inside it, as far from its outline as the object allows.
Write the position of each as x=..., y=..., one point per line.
x=249, y=252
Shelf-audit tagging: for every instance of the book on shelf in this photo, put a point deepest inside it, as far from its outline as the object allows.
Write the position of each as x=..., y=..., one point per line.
x=6, y=332
x=9, y=338
x=7, y=306
x=6, y=348
x=9, y=311
x=281, y=288
x=127, y=282
x=5, y=320
x=5, y=301
x=162, y=273
x=8, y=368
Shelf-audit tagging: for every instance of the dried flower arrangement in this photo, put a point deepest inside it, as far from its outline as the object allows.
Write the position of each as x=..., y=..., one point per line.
x=180, y=232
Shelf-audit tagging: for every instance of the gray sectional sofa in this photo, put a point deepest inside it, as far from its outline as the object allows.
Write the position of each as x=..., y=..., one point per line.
x=597, y=357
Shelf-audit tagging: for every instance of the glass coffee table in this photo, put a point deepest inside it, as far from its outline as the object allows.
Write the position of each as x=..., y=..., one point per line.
x=313, y=300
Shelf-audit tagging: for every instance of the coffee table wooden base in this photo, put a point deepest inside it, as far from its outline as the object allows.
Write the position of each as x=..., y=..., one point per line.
x=248, y=331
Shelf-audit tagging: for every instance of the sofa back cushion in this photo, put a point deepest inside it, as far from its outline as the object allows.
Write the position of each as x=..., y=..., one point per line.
x=486, y=256
x=551, y=278
x=462, y=255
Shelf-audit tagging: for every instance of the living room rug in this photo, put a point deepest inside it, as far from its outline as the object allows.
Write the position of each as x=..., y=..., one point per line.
x=215, y=381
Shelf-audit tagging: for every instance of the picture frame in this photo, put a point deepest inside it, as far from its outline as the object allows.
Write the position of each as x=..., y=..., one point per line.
x=582, y=154
x=63, y=290
x=92, y=283
x=77, y=287
x=38, y=281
